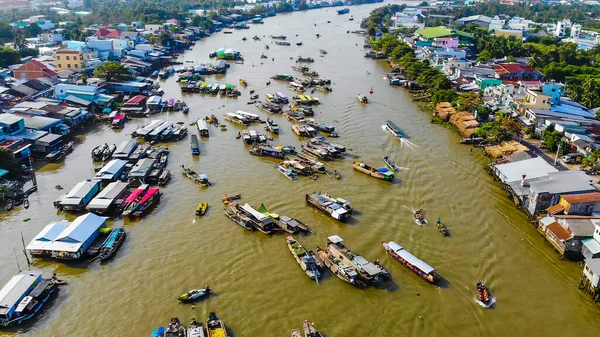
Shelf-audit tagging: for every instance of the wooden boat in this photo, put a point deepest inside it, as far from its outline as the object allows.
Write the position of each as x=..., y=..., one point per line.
x=60, y=153
x=215, y=327
x=26, y=203
x=98, y=151
x=283, y=43
x=305, y=59
x=362, y=99
x=195, y=329
x=260, y=221
x=194, y=294
x=107, y=153
x=112, y=243
x=483, y=296
x=296, y=333
x=290, y=225
x=201, y=179
x=227, y=199
x=306, y=259
x=411, y=262
x=201, y=210
x=327, y=206
x=194, y=144
x=370, y=273
x=322, y=51
x=175, y=329
x=419, y=216
x=149, y=200
x=441, y=227
x=310, y=331
x=287, y=172
x=339, y=268
x=342, y=202
x=390, y=164
x=272, y=126
x=9, y=205
x=243, y=82
x=164, y=177
x=381, y=173
x=239, y=219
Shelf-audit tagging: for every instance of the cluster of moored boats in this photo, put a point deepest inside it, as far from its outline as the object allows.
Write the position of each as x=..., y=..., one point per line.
x=224, y=90
x=159, y=130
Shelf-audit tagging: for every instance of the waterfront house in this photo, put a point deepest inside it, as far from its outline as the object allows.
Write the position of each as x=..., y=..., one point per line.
x=50, y=125
x=514, y=72
x=590, y=279
x=34, y=69
x=61, y=240
x=547, y=190
x=576, y=204
x=111, y=171
x=522, y=171
x=107, y=199
x=80, y=195
x=566, y=233
x=591, y=246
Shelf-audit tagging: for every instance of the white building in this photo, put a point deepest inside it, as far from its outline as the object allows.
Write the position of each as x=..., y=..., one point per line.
x=496, y=24
x=575, y=30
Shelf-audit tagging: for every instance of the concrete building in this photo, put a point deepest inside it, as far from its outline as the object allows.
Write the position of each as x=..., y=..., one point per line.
x=34, y=69
x=69, y=59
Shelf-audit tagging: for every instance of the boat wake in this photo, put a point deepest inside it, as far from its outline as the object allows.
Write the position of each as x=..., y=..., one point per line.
x=484, y=305
x=409, y=144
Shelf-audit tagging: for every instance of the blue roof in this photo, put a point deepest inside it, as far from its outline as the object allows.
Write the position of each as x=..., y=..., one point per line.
x=572, y=110
x=3, y=172
x=51, y=231
x=82, y=228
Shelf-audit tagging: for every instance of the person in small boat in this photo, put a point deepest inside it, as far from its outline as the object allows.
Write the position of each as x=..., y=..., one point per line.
x=439, y=221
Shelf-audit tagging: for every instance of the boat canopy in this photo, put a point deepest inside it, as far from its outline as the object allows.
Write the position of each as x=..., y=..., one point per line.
x=410, y=258
x=202, y=125
x=258, y=215
x=335, y=239
x=393, y=126
x=289, y=221
x=151, y=192
x=154, y=100
x=235, y=115
x=228, y=86
x=281, y=95
x=135, y=194
x=247, y=114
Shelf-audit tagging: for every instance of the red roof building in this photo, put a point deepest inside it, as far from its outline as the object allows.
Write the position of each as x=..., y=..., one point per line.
x=105, y=33
x=517, y=72
x=34, y=69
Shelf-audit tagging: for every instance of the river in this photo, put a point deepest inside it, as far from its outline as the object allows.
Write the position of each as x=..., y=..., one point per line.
x=259, y=288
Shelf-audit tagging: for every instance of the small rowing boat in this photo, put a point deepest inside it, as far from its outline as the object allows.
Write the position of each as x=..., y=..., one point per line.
x=441, y=227
x=389, y=163
x=243, y=82
x=296, y=333
x=483, y=295
x=194, y=294
x=419, y=216
x=201, y=210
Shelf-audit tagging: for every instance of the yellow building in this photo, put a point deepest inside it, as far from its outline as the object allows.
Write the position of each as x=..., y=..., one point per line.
x=69, y=59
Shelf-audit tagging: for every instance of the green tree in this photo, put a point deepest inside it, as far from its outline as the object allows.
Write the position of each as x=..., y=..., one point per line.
x=10, y=163
x=166, y=39
x=8, y=57
x=112, y=71
x=33, y=30
x=485, y=56
x=6, y=32
x=24, y=52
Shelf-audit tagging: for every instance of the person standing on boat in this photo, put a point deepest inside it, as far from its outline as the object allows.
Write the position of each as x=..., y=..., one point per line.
x=439, y=221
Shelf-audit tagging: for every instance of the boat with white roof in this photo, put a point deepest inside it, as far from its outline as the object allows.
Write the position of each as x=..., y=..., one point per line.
x=327, y=206
x=411, y=262
x=370, y=273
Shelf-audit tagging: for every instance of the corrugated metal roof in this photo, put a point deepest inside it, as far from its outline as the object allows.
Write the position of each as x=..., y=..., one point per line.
x=582, y=198
x=559, y=231
x=82, y=228
x=531, y=168
x=594, y=265
x=410, y=258
x=592, y=245
x=563, y=182
x=14, y=290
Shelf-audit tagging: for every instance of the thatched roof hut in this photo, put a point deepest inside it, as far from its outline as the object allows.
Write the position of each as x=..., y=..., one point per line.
x=505, y=149
x=444, y=110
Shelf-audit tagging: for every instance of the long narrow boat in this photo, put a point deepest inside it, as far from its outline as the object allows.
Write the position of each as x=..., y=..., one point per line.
x=370, y=273
x=215, y=326
x=306, y=259
x=287, y=172
x=441, y=227
x=134, y=197
x=258, y=220
x=310, y=331
x=194, y=294
x=411, y=262
x=112, y=243
x=296, y=333
x=201, y=179
x=290, y=225
x=393, y=129
x=239, y=219
x=195, y=145
x=381, y=173
x=149, y=200
x=342, y=270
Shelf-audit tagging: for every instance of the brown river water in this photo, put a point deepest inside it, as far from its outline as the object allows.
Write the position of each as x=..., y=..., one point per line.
x=259, y=288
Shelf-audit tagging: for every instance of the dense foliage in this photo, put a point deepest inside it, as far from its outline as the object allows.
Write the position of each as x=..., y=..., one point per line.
x=8, y=56
x=112, y=71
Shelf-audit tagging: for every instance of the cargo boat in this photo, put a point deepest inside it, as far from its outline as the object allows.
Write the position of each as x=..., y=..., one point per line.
x=370, y=273
x=325, y=205
x=306, y=259
x=381, y=173
x=393, y=129
x=215, y=326
x=411, y=262
x=339, y=268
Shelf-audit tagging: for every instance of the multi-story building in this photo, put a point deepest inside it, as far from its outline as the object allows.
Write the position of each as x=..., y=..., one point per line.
x=69, y=59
